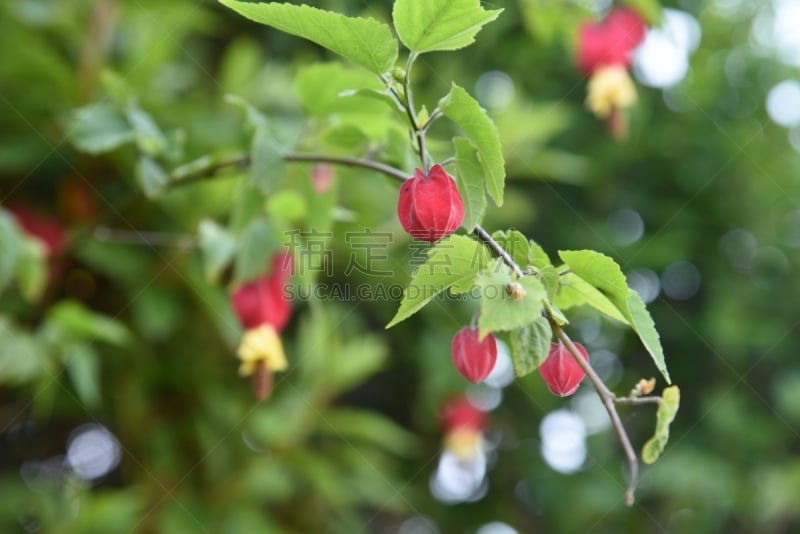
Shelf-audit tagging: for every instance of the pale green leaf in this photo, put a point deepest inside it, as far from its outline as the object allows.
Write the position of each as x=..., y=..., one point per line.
x=471, y=184
x=462, y=109
x=83, y=368
x=80, y=323
x=32, y=269
x=499, y=310
x=151, y=176
x=11, y=244
x=369, y=427
x=362, y=40
x=256, y=246
x=425, y=26
x=530, y=345
x=454, y=261
x=643, y=325
x=667, y=409
x=149, y=137
x=99, y=128
x=217, y=247
x=354, y=361
x=575, y=291
x=266, y=161
x=321, y=86
x=22, y=359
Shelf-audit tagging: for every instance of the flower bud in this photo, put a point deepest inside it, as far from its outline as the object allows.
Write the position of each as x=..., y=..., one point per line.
x=430, y=206
x=516, y=291
x=561, y=372
x=474, y=358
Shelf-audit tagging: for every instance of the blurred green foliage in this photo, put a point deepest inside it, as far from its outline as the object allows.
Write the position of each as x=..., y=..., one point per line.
x=107, y=105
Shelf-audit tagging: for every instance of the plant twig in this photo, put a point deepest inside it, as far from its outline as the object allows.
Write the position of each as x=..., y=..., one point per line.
x=243, y=160
x=495, y=247
x=639, y=400
x=606, y=396
x=608, y=399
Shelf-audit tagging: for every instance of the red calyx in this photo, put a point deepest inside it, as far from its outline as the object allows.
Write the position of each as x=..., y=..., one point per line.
x=474, y=358
x=610, y=41
x=459, y=413
x=262, y=301
x=429, y=206
x=561, y=372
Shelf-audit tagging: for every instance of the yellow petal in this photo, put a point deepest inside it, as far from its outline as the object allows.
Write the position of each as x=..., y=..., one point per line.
x=610, y=88
x=262, y=343
x=464, y=443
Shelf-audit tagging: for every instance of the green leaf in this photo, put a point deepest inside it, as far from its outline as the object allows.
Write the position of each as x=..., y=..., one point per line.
x=151, y=176
x=462, y=109
x=22, y=359
x=471, y=185
x=643, y=325
x=83, y=367
x=287, y=204
x=149, y=137
x=266, y=161
x=32, y=269
x=499, y=310
x=362, y=40
x=345, y=138
x=82, y=324
x=333, y=88
x=530, y=345
x=217, y=246
x=11, y=245
x=551, y=280
x=603, y=273
x=454, y=261
x=99, y=128
x=354, y=361
x=439, y=24
x=599, y=271
x=537, y=256
x=667, y=410
x=369, y=427
x=515, y=244
x=575, y=291
x=256, y=246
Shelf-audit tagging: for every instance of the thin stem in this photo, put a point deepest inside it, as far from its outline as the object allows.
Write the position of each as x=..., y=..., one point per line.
x=606, y=396
x=388, y=170
x=608, y=399
x=142, y=237
x=490, y=242
x=418, y=131
x=638, y=400
x=243, y=160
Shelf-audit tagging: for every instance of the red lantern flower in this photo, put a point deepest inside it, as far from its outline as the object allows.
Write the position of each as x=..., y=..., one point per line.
x=610, y=42
x=604, y=53
x=262, y=301
x=43, y=227
x=561, y=372
x=430, y=206
x=474, y=358
x=462, y=425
